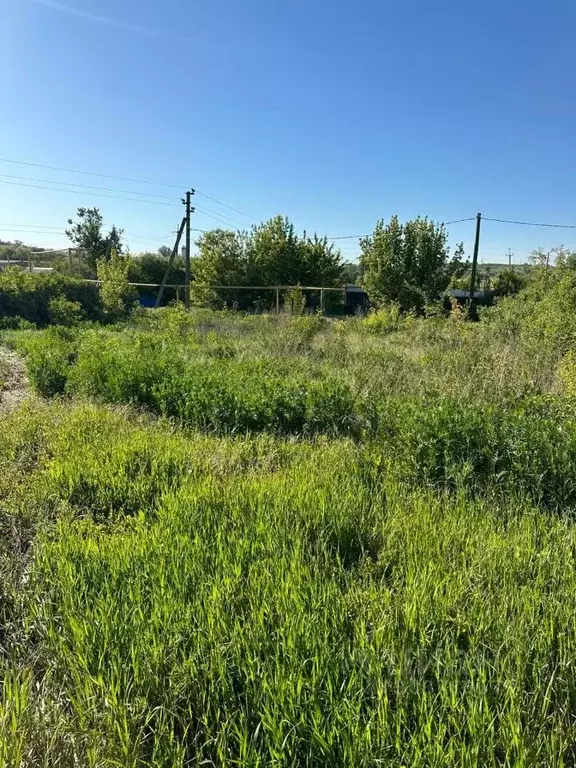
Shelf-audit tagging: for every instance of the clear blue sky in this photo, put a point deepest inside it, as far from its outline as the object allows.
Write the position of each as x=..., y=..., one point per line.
x=332, y=113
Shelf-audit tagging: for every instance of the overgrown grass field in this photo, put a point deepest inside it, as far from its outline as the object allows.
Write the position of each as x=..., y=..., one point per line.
x=261, y=541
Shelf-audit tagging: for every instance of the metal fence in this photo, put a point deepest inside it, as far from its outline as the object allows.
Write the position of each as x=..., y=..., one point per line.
x=315, y=296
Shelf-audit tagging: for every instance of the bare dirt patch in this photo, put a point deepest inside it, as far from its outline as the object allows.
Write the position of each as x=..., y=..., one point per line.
x=14, y=386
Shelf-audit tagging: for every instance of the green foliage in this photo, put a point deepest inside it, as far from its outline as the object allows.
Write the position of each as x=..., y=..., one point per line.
x=254, y=602
x=14, y=251
x=64, y=312
x=408, y=263
x=151, y=267
x=49, y=354
x=526, y=448
x=508, y=282
x=374, y=563
x=351, y=273
x=31, y=297
x=269, y=254
x=116, y=295
x=220, y=394
x=566, y=374
x=86, y=234
x=384, y=320
x=222, y=261
x=295, y=301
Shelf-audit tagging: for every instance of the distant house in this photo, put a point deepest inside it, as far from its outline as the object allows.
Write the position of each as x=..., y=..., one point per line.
x=483, y=298
x=356, y=300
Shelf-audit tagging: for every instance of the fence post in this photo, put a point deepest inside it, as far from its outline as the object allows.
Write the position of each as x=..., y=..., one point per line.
x=322, y=300
x=277, y=301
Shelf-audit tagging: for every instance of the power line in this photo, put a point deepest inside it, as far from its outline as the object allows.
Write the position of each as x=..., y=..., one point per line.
x=47, y=229
x=357, y=237
x=27, y=226
x=217, y=215
x=90, y=173
x=459, y=221
x=125, y=178
x=33, y=231
x=86, y=186
x=225, y=205
x=531, y=223
x=77, y=192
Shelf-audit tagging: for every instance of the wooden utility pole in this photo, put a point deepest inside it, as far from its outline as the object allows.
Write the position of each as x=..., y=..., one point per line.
x=475, y=258
x=189, y=211
x=169, y=265
x=509, y=257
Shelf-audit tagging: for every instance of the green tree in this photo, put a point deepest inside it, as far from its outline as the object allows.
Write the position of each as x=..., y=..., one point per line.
x=221, y=261
x=114, y=241
x=508, y=282
x=278, y=256
x=116, y=295
x=408, y=263
x=351, y=273
x=86, y=234
x=268, y=254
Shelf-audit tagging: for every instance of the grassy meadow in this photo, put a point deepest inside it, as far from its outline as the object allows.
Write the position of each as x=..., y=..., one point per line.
x=266, y=541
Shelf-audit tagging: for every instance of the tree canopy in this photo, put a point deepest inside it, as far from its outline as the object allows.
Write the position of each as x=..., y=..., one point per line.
x=268, y=254
x=86, y=234
x=408, y=263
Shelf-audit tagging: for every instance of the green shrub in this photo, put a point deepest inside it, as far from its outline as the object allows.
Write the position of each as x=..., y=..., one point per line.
x=49, y=356
x=29, y=296
x=382, y=321
x=218, y=394
x=525, y=448
x=64, y=312
x=116, y=295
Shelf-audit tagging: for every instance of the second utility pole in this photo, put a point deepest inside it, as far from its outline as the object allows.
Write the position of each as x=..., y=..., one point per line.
x=189, y=211
x=475, y=260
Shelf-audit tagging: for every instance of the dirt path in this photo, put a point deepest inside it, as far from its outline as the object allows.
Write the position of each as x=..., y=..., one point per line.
x=14, y=385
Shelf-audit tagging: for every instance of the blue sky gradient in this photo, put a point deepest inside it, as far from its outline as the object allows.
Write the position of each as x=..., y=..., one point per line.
x=334, y=114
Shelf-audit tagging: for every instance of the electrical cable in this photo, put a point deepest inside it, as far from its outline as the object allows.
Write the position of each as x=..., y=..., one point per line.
x=125, y=178
x=77, y=192
x=86, y=186
x=530, y=223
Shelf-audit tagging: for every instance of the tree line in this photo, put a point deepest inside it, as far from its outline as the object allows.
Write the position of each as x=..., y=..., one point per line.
x=408, y=263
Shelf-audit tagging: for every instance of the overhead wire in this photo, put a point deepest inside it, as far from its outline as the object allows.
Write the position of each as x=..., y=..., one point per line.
x=530, y=223
x=90, y=173
x=225, y=205
x=78, y=192
x=86, y=186
x=357, y=237
x=126, y=178
x=217, y=215
x=33, y=231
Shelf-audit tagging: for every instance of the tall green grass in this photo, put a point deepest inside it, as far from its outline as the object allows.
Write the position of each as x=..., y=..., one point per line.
x=359, y=552
x=203, y=600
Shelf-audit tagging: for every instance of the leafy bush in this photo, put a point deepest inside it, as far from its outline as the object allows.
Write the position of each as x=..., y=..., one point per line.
x=49, y=355
x=217, y=394
x=64, y=312
x=384, y=320
x=29, y=296
x=566, y=374
x=525, y=448
x=116, y=295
